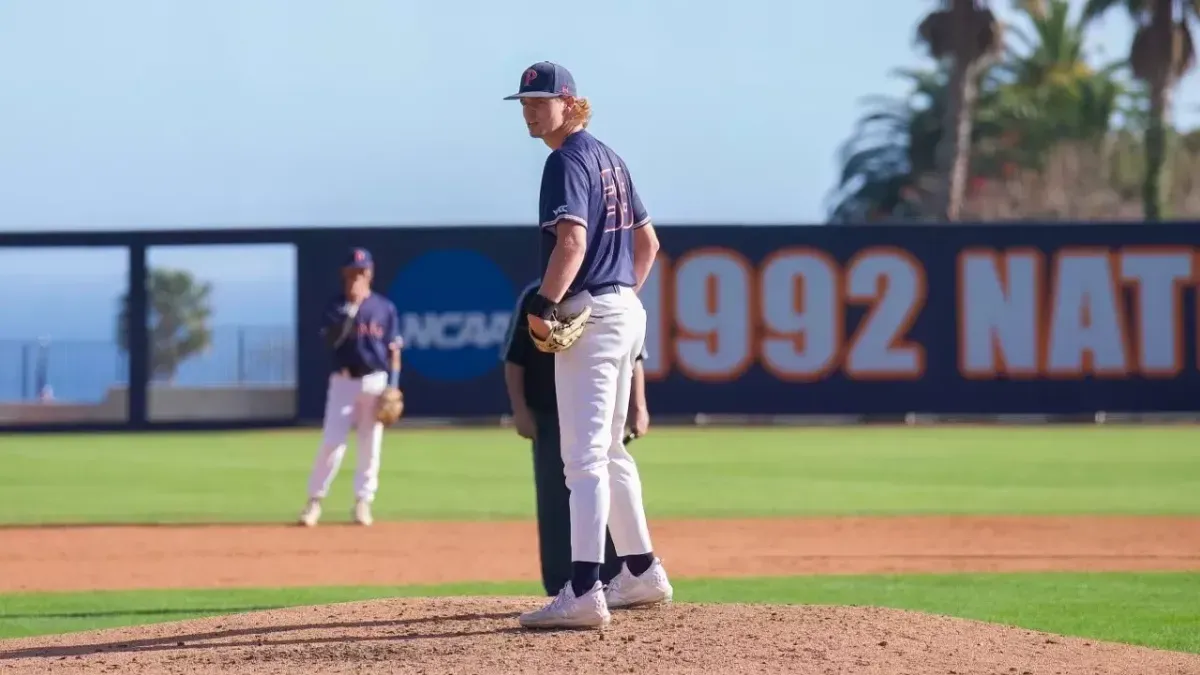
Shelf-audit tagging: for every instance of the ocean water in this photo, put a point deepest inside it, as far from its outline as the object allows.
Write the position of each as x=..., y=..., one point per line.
x=70, y=304
x=83, y=370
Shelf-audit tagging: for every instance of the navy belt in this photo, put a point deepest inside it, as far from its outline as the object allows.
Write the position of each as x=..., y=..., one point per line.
x=606, y=289
x=357, y=371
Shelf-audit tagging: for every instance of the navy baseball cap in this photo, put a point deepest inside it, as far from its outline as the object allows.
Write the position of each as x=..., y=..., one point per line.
x=358, y=258
x=545, y=80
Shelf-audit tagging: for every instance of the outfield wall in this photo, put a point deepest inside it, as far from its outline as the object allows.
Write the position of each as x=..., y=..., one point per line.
x=746, y=322
x=1031, y=319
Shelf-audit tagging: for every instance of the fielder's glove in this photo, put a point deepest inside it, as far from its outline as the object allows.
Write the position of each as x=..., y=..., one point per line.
x=564, y=331
x=391, y=406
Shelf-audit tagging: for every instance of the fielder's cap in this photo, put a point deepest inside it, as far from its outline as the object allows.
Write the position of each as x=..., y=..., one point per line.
x=544, y=80
x=358, y=258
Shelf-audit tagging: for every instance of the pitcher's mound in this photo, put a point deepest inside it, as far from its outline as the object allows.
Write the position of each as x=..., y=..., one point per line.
x=480, y=635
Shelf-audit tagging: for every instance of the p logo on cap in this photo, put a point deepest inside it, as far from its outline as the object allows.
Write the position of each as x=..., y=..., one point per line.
x=359, y=258
x=545, y=80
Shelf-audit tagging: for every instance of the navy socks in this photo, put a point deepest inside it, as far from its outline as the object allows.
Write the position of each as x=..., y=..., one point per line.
x=584, y=576
x=638, y=564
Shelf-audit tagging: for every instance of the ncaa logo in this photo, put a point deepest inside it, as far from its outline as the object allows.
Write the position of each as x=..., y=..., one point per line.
x=455, y=306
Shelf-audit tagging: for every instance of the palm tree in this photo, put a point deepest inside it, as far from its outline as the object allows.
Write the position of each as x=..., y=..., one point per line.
x=1040, y=94
x=889, y=163
x=1043, y=92
x=1051, y=93
x=1048, y=70
x=965, y=35
x=890, y=148
x=1162, y=52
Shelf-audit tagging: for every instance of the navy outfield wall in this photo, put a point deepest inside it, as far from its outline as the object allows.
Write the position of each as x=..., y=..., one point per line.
x=455, y=289
x=1040, y=319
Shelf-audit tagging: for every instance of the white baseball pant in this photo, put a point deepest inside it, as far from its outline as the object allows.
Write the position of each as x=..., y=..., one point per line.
x=593, y=379
x=350, y=402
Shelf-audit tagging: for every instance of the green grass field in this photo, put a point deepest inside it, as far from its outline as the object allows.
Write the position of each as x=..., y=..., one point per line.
x=713, y=472
x=485, y=474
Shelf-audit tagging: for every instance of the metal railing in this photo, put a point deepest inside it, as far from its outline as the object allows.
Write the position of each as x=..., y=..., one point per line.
x=84, y=370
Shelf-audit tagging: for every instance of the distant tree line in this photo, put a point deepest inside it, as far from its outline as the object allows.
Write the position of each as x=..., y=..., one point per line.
x=1012, y=122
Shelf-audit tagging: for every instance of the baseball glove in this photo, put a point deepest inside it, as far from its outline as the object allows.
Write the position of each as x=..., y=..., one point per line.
x=563, y=332
x=391, y=406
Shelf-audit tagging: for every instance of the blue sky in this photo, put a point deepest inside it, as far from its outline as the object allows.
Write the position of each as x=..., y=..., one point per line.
x=227, y=113
x=166, y=113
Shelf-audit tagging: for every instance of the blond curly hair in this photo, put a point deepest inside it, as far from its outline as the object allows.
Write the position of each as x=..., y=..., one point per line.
x=580, y=114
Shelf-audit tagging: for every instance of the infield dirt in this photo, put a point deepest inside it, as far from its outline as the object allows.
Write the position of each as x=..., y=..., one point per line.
x=94, y=558
x=480, y=635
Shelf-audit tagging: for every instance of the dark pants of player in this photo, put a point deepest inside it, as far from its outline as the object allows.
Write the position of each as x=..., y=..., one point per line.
x=554, y=511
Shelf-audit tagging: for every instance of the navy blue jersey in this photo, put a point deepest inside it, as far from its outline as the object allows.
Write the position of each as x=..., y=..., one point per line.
x=586, y=183
x=364, y=348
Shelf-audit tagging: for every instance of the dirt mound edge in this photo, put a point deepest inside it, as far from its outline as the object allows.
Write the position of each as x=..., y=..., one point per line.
x=480, y=635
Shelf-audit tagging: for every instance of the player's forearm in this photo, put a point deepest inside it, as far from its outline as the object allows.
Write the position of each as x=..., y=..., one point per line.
x=642, y=264
x=645, y=250
x=514, y=383
x=394, y=374
x=637, y=391
x=565, y=261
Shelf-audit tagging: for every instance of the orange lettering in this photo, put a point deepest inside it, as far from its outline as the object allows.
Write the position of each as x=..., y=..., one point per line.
x=799, y=305
x=715, y=335
x=1000, y=326
x=1087, y=327
x=1156, y=275
x=891, y=282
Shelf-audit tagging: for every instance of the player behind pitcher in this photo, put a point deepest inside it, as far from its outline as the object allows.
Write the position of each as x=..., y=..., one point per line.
x=598, y=246
x=363, y=330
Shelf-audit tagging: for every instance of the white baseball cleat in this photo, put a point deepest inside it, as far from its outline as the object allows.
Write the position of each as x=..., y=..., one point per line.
x=311, y=513
x=567, y=611
x=362, y=513
x=651, y=588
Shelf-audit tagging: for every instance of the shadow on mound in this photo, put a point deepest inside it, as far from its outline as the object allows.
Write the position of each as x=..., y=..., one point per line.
x=480, y=635
x=104, y=613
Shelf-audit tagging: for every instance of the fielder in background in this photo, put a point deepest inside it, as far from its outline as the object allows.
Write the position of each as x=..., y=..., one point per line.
x=598, y=246
x=362, y=328
x=529, y=378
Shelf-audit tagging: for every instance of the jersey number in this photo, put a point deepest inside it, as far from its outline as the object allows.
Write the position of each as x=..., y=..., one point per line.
x=616, y=200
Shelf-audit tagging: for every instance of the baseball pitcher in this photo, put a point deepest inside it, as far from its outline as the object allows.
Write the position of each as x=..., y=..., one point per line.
x=598, y=246
x=362, y=329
